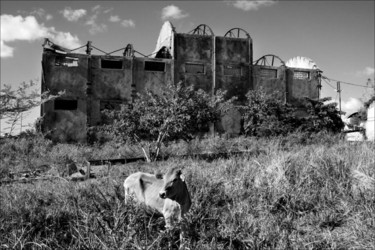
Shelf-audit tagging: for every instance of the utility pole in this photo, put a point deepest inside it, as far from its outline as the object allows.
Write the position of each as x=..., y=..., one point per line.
x=339, y=91
x=0, y=114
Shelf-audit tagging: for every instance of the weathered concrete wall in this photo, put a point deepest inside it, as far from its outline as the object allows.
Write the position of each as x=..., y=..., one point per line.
x=271, y=80
x=65, y=125
x=298, y=88
x=111, y=84
x=292, y=83
x=69, y=73
x=233, y=50
x=118, y=84
x=148, y=73
x=60, y=72
x=233, y=71
x=232, y=60
x=194, y=52
x=95, y=83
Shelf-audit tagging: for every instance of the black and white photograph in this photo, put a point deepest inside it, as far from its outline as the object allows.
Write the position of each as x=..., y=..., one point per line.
x=196, y=125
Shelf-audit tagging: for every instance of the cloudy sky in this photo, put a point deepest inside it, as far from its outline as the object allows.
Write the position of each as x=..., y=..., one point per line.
x=337, y=35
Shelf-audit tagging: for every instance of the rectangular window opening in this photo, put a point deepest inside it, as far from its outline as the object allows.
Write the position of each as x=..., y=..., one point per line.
x=61, y=104
x=268, y=73
x=302, y=75
x=154, y=66
x=111, y=64
x=194, y=68
x=66, y=61
x=232, y=70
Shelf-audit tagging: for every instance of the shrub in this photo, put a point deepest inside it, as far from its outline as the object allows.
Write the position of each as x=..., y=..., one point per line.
x=321, y=116
x=267, y=115
x=178, y=113
x=24, y=153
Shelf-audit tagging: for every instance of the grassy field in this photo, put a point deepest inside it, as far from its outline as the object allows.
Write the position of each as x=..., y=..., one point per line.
x=287, y=193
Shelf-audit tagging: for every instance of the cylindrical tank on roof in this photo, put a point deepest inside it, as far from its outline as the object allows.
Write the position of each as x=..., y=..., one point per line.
x=301, y=62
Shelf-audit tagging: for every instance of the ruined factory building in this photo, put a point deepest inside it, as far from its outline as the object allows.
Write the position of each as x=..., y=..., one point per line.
x=206, y=60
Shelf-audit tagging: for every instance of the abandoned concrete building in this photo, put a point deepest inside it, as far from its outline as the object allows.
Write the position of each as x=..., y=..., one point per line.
x=208, y=61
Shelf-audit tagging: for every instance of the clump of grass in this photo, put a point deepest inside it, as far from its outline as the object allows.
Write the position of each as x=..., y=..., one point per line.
x=302, y=196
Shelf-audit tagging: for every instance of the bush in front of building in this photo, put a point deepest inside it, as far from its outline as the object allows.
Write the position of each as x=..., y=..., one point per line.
x=266, y=115
x=321, y=116
x=154, y=120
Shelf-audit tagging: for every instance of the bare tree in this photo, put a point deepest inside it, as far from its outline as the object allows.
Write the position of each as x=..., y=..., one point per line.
x=15, y=102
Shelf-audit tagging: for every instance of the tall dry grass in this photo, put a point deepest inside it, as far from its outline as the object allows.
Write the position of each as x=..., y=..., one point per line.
x=295, y=193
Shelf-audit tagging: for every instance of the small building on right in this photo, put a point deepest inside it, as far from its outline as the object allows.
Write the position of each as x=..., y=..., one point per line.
x=359, y=128
x=370, y=123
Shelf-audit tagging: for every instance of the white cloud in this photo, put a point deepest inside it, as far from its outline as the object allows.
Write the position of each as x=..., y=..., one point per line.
x=73, y=15
x=95, y=27
x=368, y=71
x=128, y=23
x=65, y=39
x=6, y=51
x=172, y=12
x=248, y=5
x=96, y=8
x=114, y=19
x=41, y=13
x=18, y=28
x=92, y=21
x=352, y=105
x=37, y=12
x=125, y=23
x=107, y=10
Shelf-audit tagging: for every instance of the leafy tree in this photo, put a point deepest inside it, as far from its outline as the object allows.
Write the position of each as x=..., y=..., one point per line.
x=266, y=115
x=321, y=116
x=369, y=101
x=14, y=102
x=177, y=113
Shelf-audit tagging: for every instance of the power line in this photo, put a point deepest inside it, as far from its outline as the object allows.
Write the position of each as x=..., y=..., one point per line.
x=353, y=84
x=329, y=84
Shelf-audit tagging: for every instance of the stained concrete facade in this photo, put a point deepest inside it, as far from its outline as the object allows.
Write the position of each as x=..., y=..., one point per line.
x=291, y=83
x=209, y=62
x=93, y=83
